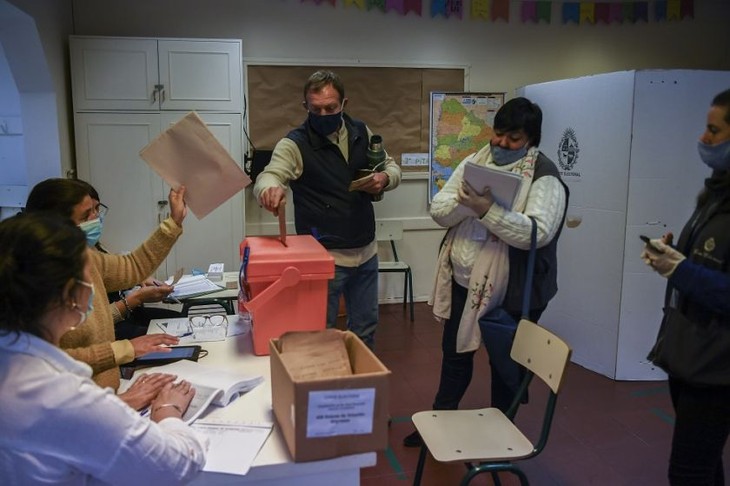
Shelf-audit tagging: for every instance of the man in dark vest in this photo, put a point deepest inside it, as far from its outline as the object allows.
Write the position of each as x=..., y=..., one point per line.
x=319, y=160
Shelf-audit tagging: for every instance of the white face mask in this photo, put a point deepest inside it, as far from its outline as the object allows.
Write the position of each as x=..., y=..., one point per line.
x=89, y=304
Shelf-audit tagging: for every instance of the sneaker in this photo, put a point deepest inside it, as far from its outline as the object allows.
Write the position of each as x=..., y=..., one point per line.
x=413, y=440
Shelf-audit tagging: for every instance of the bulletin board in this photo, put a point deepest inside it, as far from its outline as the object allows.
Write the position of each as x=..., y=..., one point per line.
x=393, y=101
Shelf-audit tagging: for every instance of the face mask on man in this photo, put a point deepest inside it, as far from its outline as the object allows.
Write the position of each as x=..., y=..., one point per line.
x=89, y=306
x=503, y=156
x=325, y=124
x=715, y=156
x=92, y=229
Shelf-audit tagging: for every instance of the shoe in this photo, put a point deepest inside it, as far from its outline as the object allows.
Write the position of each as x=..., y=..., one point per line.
x=413, y=440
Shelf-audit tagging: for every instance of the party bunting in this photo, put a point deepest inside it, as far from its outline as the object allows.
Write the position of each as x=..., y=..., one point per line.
x=376, y=4
x=534, y=11
x=479, y=9
x=500, y=10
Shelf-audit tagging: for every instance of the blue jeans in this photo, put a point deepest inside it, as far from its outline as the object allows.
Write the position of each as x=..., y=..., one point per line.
x=360, y=286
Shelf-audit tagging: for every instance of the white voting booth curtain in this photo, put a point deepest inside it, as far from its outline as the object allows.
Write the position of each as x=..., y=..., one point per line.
x=625, y=143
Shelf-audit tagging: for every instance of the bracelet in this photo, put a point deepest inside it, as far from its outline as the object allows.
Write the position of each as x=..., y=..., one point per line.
x=126, y=306
x=165, y=405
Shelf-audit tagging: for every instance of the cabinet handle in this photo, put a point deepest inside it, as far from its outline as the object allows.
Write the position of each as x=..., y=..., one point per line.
x=154, y=95
x=162, y=95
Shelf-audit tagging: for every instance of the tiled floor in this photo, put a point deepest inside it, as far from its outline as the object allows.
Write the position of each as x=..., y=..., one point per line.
x=605, y=432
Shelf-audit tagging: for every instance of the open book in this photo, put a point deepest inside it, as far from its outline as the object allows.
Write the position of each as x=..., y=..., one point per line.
x=193, y=286
x=212, y=386
x=503, y=185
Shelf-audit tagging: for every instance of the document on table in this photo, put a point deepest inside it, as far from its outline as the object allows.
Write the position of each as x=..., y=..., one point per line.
x=193, y=286
x=234, y=444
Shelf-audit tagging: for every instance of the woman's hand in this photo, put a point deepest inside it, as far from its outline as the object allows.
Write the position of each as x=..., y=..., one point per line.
x=153, y=343
x=148, y=293
x=178, y=208
x=480, y=204
x=172, y=401
x=145, y=388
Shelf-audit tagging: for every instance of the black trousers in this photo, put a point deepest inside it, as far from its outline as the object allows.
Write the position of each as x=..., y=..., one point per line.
x=701, y=428
x=457, y=368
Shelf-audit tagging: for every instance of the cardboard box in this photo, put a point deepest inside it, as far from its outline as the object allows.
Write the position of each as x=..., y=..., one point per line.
x=331, y=417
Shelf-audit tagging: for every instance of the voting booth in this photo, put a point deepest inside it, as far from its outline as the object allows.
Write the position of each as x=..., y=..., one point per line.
x=626, y=145
x=288, y=286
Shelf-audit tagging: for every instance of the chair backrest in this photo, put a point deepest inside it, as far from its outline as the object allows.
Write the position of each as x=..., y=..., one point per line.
x=541, y=352
x=389, y=230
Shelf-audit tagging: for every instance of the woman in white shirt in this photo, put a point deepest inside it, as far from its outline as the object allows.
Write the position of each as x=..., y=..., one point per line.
x=56, y=425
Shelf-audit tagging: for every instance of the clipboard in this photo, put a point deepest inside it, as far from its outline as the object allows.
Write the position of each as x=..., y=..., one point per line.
x=504, y=185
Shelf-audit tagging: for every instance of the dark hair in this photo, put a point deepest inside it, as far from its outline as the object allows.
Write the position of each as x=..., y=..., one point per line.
x=322, y=78
x=57, y=195
x=39, y=254
x=723, y=100
x=520, y=114
x=90, y=189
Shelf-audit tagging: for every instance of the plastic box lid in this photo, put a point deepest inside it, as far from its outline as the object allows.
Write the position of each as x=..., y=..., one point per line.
x=268, y=257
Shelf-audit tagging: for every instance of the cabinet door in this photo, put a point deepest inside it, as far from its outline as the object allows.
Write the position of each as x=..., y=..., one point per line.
x=114, y=73
x=215, y=238
x=107, y=150
x=200, y=75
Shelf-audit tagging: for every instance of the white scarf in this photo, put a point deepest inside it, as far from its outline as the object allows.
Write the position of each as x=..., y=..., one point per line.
x=490, y=273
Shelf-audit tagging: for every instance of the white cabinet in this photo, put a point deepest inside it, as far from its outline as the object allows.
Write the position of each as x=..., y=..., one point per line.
x=155, y=74
x=126, y=91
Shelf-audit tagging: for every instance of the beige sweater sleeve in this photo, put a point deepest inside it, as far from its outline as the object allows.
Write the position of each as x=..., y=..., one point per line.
x=93, y=340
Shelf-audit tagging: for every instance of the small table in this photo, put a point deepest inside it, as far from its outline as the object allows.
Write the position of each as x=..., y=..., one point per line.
x=273, y=466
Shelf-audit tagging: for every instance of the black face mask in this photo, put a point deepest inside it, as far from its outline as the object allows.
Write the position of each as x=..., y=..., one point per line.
x=325, y=124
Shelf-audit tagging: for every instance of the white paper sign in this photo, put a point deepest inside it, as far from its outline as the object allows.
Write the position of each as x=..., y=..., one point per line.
x=340, y=412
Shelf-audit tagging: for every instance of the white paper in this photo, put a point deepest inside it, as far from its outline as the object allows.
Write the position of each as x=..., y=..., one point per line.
x=340, y=412
x=233, y=444
x=193, y=285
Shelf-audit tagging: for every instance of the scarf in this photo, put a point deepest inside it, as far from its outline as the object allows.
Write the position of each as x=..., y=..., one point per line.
x=489, y=275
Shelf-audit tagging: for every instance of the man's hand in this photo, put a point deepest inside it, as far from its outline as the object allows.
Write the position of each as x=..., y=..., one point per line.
x=271, y=198
x=375, y=184
x=144, y=389
x=153, y=343
x=178, y=208
x=471, y=199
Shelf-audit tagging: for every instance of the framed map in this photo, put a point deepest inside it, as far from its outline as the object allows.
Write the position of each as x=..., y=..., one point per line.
x=461, y=124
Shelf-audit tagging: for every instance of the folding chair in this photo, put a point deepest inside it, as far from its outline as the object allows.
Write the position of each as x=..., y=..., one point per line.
x=486, y=439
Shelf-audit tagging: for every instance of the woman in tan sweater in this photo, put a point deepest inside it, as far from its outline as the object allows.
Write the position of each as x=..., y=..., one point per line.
x=94, y=343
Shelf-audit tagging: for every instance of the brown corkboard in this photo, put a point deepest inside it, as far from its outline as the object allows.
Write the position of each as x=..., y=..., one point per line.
x=393, y=101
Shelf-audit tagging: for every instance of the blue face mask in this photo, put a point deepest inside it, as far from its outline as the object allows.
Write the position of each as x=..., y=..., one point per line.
x=93, y=230
x=325, y=124
x=715, y=156
x=89, y=305
x=502, y=156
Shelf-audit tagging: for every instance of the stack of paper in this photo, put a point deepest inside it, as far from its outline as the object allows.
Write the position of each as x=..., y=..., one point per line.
x=192, y=286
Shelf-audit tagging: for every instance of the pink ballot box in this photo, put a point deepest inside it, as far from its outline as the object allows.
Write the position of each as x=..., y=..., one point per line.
x=287, y=286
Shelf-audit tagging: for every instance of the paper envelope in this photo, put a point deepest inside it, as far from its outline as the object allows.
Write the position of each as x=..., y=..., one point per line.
x=188, y=154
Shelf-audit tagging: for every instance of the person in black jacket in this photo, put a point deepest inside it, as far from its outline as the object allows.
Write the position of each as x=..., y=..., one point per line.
x=698, y=299
x=319, y=160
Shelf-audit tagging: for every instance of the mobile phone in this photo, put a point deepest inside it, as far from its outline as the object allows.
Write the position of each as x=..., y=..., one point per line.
x=176, y=354
x=647, y=240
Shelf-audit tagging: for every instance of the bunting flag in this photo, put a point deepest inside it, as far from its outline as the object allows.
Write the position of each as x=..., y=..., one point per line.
x=529, y=11
x=500, y=10
x=534, y=11
x=571, y=12
x=587, y=13
x=438, y=7
x=673, y=10
x=378, y=4
x=412, y=6
x=479, y=9
x=544, y=11
x=396, y=5
x=454, y=8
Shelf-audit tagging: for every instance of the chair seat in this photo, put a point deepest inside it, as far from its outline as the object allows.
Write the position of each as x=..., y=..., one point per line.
x=393, y=266
x=471, y=435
